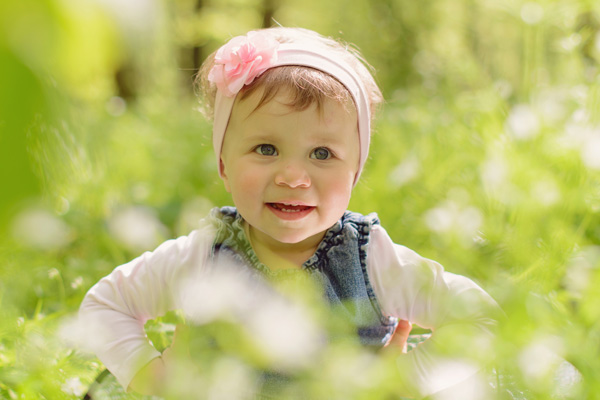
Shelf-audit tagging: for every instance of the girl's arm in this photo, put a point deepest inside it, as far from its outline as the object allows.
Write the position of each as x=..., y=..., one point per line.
x=114, y=311
x=461, y=315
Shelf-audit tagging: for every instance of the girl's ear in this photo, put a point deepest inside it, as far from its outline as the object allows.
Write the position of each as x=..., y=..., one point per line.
x=224, y=175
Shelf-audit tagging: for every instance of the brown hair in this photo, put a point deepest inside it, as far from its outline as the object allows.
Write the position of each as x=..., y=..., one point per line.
x=306, y=85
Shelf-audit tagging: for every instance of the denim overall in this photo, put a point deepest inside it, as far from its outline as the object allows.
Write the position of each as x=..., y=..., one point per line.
x=339, y=265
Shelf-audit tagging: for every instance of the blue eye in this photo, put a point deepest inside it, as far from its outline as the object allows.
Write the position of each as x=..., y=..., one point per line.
x=266, y=150
x=320, y=153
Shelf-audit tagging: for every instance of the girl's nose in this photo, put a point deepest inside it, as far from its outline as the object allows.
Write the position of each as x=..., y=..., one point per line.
x=293, y=175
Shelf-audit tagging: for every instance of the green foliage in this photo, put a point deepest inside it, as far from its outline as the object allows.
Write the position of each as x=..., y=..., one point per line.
x=485, y=158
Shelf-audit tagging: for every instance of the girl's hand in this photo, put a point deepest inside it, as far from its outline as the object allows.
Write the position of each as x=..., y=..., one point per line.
x=399, y=340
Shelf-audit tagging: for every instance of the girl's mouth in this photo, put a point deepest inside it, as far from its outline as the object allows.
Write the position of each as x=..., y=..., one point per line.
x=289, y=207
x=289, y=211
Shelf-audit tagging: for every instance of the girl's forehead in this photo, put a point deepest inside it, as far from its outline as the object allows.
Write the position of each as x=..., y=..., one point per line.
x=283, y=103
x=275, y=119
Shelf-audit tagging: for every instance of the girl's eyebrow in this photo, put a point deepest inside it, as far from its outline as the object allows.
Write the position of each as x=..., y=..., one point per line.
x=260, y=137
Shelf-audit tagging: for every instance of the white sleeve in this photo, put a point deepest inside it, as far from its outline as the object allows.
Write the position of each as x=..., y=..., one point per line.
x=115, y=309
x=416, y=289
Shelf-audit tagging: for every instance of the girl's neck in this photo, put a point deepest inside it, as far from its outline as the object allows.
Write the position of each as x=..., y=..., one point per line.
x=277, y=255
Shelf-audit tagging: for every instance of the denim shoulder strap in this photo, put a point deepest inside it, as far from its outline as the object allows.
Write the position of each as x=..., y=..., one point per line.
x=340, y=263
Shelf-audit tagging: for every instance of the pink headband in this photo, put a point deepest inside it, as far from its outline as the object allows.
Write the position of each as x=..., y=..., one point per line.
x=244, y=58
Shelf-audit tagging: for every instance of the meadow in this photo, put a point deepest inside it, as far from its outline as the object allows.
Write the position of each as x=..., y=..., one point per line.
x=485, y=157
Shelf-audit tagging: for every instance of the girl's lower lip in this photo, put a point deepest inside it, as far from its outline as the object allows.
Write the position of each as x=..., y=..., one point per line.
x=289, y=213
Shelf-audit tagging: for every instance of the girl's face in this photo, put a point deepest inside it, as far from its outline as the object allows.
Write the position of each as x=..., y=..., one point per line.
x=290, y=172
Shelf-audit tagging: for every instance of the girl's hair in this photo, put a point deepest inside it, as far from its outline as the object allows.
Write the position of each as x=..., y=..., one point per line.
x=306, y=85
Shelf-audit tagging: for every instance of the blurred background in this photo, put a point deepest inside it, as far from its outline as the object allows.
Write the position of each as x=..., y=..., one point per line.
x=485, y=157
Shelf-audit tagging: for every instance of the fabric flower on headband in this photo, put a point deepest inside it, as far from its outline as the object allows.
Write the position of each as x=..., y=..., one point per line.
x=241, y=60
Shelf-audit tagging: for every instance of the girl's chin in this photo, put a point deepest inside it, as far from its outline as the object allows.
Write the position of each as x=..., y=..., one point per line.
x=291, y=239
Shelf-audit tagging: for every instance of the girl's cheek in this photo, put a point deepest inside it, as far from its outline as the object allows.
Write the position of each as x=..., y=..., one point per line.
x=248, y=177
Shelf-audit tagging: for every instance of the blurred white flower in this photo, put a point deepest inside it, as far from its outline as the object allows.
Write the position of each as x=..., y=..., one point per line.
x=231, y=380
x=580, y=93
x=137, y=228
x=566, y=379
x=192, y=212
x=546, y=192
x=285, y=332
x=353, y=370
x=446, y=374
x=406, y=171
x=427, y=63
x=452, y=217
x=577, y=130
x=532, y=13
x=523, y=122
x=87, y=334
x=41, y=229
x=53, y=273
x=3, y=354
x=134, y=15
x=494, y=172
x=578, y=276
x=77, y=282
x=62, y=206
x=140, y=191
x=116, y=106
x=474, y=388
x=570, y=42
x=590, y=151
x=504, y=88
x=440, y=219
x=581, y=116
x=540, y=361
x=74, y=387
x=551, y=105
x=582, y=134
x=217, y=294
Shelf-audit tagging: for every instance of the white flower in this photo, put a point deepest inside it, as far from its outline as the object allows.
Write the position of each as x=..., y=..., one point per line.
x=590, y=151
x=447, y=373
x=541, y=358
x=532, y=13
x=523, y=122
x=283, y=329
x=285, y=332
x=77, y=282
x=41, y=229
x=452, y=217
x=137, y=228
x=546, y=192
x=219, y=293
x=73, y=386
x=406, y=171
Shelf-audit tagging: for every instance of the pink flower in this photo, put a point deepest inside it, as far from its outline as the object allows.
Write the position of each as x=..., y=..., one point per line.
x=241, y=60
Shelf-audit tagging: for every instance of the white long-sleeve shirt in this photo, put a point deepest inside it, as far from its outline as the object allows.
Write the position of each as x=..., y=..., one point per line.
x=406, y=285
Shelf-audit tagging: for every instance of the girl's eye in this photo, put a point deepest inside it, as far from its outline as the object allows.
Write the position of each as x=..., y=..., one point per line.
x=266, y=150
x=320, y=153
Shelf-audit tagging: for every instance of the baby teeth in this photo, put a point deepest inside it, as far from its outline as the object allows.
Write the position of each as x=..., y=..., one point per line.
x=289, y=208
